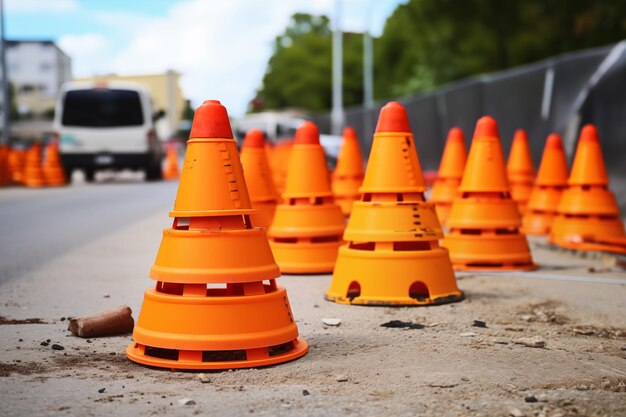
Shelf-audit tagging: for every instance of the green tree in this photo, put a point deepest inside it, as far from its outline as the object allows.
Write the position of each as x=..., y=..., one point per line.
x=426, y=43
x=298, y=73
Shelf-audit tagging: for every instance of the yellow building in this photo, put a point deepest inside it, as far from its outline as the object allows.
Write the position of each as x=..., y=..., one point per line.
x=165, y=92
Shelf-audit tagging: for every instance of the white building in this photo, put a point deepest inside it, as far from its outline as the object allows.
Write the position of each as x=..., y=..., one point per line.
x=36, y=69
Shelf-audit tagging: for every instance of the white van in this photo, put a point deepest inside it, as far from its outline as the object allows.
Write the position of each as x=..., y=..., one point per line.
x=107, y=125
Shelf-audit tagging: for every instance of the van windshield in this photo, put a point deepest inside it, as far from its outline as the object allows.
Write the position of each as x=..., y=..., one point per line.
x=102, y=108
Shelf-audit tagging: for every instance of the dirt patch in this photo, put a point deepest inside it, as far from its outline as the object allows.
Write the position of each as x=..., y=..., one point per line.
x=5, y=320
x=610, y=384
x=544, y=312
x=26, y=368
x=604, y=333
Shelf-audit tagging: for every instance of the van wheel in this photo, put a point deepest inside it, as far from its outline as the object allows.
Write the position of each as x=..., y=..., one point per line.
x=90, y=175
x=153, y=172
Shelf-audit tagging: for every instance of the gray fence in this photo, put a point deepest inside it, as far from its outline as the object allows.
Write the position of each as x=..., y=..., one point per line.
x=559, y=94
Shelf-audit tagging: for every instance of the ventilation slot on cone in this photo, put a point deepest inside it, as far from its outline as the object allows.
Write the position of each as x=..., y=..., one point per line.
x=392, y=234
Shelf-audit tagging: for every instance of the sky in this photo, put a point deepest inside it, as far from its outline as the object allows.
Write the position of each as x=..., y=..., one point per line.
x=221, y=47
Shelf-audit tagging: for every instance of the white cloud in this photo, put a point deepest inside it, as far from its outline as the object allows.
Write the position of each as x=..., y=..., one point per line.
x=89, y=53
x=220, y=47
x=38, y=6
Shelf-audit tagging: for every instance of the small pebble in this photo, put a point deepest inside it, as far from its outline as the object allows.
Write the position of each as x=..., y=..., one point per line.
x=467, y=334
x=101, y=390
x=465, y=379
x=305, y=392
x=186, y=401
x=44, y=343
x=582, y=387
x=516, y=412
x=479, y=323
x=106, y=295
x=331, y=322
x=530, y=399
x=285, y=405
x=203, y=378
x=341, y=378
x=57, y=347
x=534, y=342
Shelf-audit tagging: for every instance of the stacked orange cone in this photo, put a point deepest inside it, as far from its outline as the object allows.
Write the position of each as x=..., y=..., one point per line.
x=484, y=221
x=549, y=185
x=171, y=171
x=450, y=173
x=520, y=170
x=392, y=255
x=348, y=174
x=52, y=169
x=5, y=171
x=216, y=304
x=588, y=215
x=306, y=232
x=33, y=172
x=17, y=159
x=259, y=178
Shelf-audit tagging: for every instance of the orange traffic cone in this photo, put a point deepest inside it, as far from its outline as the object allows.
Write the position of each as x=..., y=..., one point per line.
x=348, y=174
x=306, y=232
x=171, y=171
x=450, y=173
x=393, y=256
x=279, y=164
x=549, y=185
x=256, y=169
x=33, y=173
x=216, y=304
x=5, y=170
x=520, y=170
x=588, y=215
x=52, y=168
x=484, y=221
x=17, y=159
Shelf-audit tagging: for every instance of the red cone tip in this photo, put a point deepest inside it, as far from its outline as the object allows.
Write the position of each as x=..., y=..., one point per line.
x=349, y=132
x=393, y=118
x=589, y=134
x=554, y=142
x=211, y=121
x=307, y=134
x=456, y=135
x=486, y=126
x=254, y=139
x=520, y=135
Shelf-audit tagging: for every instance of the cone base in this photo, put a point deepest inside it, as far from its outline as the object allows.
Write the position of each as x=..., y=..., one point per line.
x=489, y=252
x=193, y=360
x=305, y=257
x=576, y=230
x=35, y=184
x=386, y=277
x=537, y=223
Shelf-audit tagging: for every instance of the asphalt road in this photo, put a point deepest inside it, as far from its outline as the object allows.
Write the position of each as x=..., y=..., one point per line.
x=39, y=225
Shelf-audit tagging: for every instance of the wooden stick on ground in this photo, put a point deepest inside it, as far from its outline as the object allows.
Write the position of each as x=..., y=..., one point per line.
x=112, y=322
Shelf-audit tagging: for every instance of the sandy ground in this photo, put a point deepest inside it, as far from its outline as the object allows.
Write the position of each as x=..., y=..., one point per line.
x=448, y=367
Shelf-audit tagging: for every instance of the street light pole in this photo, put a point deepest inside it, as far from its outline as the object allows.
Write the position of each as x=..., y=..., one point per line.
x=368, y=75
x=336, y=115
x=6, y=106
